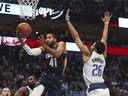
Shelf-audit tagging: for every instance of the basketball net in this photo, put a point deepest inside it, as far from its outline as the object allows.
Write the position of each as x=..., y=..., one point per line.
x=28, y=9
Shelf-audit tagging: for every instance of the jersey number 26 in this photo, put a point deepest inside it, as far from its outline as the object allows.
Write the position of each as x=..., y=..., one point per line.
x=97, y=71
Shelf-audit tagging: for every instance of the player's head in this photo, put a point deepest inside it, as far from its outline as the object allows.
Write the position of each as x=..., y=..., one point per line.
x=6, y=92
x=99, y=47
x=51, y=39
x=31, y=81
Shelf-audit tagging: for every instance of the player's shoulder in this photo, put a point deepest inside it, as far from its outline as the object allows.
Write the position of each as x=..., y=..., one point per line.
x=61, y=42
x=23, y=89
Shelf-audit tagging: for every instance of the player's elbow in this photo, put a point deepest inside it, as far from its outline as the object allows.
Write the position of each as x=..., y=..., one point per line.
x=34, y=52
x=57, y=55
x=76, y=37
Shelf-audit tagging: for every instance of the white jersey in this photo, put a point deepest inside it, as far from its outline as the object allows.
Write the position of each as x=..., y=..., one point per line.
x=29, y=91
x=93, y=69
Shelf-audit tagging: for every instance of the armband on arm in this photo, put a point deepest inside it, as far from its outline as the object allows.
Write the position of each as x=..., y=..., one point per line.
x=33, y=51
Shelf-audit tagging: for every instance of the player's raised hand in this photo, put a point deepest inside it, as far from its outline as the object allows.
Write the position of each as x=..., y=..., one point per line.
x=42, y=40
x=67, y=17
x=19, y=36
x=107, y=17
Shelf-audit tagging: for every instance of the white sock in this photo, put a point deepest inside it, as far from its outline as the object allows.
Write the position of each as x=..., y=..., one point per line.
x=38, y=91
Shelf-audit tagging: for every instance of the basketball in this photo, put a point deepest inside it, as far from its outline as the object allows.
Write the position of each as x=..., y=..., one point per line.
x=23, y=30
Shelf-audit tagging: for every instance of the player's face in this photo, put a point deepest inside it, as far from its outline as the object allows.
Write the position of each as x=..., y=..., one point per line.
x=32, y=80
x=50, y=40
x=6, y=92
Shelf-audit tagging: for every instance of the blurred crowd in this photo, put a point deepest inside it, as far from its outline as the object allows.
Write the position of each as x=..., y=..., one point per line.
x=15, y=65
x=90, y=7
x=116, y=75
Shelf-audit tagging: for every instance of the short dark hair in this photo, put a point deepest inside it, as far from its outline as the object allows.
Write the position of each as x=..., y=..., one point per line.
x=36, y=72
x=100, y=47
x=53, y=34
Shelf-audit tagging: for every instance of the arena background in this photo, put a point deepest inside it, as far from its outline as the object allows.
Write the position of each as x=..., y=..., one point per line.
x=86, y=17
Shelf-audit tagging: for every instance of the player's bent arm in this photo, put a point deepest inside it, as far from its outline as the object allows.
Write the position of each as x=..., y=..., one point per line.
x=32, y=51
x=21, y=92
x=76, y=38
x=56, y=52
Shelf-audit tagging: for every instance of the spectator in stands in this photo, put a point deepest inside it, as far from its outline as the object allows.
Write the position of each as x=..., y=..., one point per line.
x=6, y=92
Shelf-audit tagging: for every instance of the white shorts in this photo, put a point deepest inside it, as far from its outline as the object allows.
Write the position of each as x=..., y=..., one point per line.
x=99, y=92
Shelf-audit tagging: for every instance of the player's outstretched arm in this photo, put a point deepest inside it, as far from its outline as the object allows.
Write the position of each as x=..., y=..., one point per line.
x=30, y=51
x=106, y=20
x=75, y=35
x=55, y=52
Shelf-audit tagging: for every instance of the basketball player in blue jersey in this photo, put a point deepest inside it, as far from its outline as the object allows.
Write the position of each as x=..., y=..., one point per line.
x=55, y=63
x=94, y=59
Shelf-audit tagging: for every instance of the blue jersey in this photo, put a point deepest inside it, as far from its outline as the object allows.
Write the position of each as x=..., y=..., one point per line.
x=54, y=65
x=52, y=74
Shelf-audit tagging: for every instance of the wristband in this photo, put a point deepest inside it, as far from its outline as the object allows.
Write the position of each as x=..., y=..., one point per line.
x=106, y=22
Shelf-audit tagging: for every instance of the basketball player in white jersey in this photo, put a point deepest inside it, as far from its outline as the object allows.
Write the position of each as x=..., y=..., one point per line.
x=27, y=90
x=94, y=59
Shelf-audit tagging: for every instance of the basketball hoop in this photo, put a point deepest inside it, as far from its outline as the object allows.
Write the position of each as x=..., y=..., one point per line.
x=28, y=9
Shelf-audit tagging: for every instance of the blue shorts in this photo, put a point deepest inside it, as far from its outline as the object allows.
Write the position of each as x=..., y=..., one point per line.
x=97, y=86
x=52, y=83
